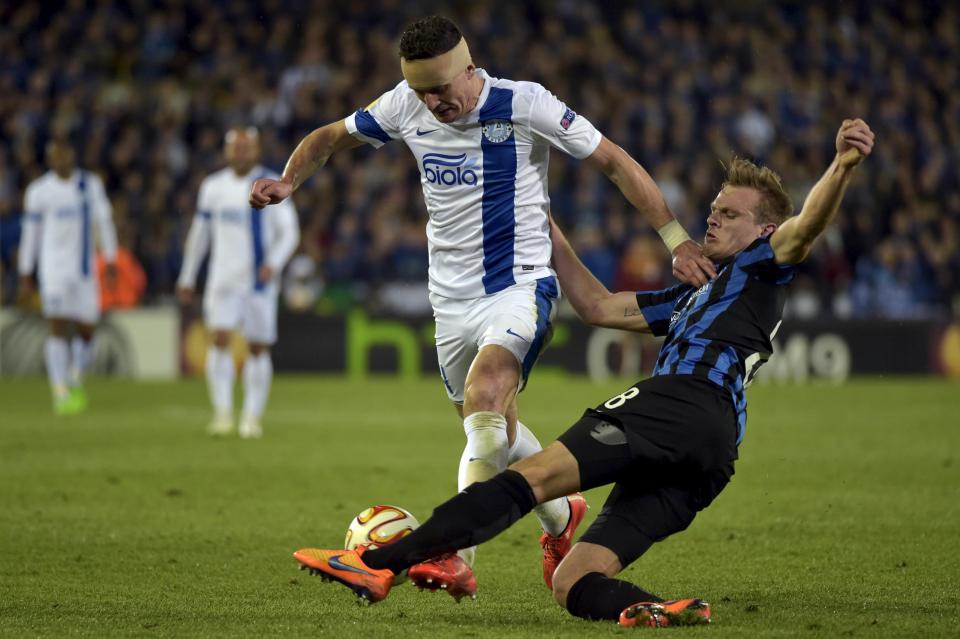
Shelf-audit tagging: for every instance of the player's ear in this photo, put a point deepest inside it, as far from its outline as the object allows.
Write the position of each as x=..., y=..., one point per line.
x=767, y=229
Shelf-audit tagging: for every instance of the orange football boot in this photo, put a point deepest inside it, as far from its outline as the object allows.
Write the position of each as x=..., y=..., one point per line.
x=681, y=612
x=447, y=572
x=556, y=548
x=347, y=567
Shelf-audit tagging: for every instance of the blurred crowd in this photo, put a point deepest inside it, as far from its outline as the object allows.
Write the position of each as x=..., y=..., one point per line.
x=147, y=89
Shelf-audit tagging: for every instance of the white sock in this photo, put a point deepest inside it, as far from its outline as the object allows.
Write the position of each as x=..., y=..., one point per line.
x=81, y=354
x=257, y=375
x=554, y=514
x=484, y=456
x=220, y=373
x=58, y=361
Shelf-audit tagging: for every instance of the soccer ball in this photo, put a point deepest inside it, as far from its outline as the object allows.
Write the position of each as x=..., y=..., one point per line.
x=380, y=525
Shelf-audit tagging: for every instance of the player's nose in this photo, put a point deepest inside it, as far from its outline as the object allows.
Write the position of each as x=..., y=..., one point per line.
x=432, y=101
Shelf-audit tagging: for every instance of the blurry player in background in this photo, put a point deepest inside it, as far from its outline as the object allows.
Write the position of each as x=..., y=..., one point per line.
x=668, y=443
x=249, y=249
x=60, y=210
x=482, y=145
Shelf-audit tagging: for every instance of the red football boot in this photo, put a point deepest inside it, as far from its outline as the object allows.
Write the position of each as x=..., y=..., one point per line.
x=447, y=572
x=556, y=548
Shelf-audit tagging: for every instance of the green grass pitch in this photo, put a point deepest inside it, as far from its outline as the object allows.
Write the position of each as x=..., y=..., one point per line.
x=843, y=518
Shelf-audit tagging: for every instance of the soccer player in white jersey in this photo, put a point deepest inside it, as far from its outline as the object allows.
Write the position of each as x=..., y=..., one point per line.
x=249, y=249
x=61, y=208
x=482, y=145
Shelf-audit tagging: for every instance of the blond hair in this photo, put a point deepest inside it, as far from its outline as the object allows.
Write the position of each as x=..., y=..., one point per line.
x=775, y=205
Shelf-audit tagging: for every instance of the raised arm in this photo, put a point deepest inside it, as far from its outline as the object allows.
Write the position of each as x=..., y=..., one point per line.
x=689, y=264
x=589, y=297
x=792, y=241
x=309, y=156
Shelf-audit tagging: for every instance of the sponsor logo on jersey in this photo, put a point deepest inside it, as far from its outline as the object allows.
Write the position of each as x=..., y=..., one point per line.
x=427, y=132
x=497, y=131
x=449, y=170
x=568, y=119
x=235, y=216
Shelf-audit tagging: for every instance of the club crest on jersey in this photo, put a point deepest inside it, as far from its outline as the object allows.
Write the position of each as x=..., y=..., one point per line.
x=449, y=170
x=497, y=131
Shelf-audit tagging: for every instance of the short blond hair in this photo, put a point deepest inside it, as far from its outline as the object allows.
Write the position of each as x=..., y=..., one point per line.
x=775, y=204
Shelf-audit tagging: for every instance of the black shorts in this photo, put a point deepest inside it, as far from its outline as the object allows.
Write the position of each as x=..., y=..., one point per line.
x=669, y=444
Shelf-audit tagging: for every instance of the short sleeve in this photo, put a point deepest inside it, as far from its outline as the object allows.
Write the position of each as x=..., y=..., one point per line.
x=205, y=201
x=658, y=306
x=561, y=126
x=32, y=203
x=759, y=261
x=378, y=122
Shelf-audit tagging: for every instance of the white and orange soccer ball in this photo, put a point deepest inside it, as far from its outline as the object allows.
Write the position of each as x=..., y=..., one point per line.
x=378, y=526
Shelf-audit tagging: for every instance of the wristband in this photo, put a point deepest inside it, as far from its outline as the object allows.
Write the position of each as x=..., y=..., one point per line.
x=673, y=234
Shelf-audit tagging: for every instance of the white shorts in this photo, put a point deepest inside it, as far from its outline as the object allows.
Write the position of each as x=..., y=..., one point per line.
x=252, y=312
x=519, y=318
x=76, y=298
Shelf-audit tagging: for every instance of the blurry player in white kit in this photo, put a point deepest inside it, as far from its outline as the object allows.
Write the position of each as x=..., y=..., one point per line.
x=249, y=249
x=60, y=210
x=482, y=145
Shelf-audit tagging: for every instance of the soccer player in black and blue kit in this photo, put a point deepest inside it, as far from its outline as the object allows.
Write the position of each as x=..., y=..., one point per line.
x=668, y=443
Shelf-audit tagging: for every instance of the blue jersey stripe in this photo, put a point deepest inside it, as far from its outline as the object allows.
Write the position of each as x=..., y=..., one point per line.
x=499, y=189
x=368, y=126
x=545, y=296
x=259, y=252
x=256, y=228
x=735, y=284
x=85, y=225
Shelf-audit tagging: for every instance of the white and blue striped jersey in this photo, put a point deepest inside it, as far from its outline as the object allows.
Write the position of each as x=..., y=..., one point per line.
x=243, y=238
x=484, y=178
x=59, y=216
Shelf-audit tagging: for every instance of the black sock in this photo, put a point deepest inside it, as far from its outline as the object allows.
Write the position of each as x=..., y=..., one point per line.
x=482, y=511
x=596, y=596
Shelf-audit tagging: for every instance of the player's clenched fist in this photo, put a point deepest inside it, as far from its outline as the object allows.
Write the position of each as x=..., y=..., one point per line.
x=854, y=141
x=267, y=191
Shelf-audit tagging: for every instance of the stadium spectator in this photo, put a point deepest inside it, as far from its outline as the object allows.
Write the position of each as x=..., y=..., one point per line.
x=146, y=95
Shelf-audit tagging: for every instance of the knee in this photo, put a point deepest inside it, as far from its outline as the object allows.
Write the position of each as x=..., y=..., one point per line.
x=221, y=339
x=483, y=394
x=257, y=349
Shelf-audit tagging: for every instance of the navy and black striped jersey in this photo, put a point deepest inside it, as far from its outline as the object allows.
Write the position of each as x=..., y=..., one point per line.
x=722, y=331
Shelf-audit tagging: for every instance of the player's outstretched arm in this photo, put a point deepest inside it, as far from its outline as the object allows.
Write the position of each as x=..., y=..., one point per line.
x=689, y=264
x=792, y=241
x=589, y=297
x=309, y=156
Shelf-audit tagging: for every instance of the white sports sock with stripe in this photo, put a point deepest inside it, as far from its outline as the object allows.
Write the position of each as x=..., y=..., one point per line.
x=81, y=351
x=57, y=355
x=220, y=374
x=257, y=375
